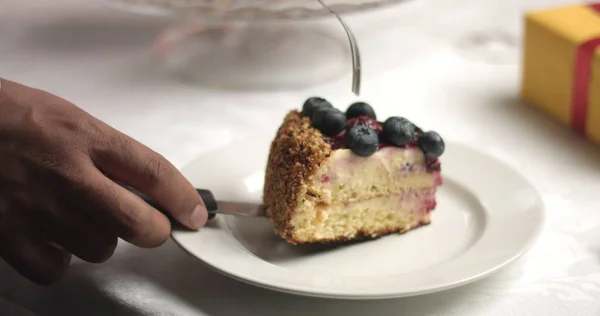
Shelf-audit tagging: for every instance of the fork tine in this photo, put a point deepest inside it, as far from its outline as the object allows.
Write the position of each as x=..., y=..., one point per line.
x=356, y=68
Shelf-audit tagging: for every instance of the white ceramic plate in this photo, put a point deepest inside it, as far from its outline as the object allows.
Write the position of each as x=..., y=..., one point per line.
x=487, y=216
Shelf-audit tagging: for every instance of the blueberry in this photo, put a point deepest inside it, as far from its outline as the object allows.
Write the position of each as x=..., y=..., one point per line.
x=432, y=144
x=398, y=130
x=360, y=109
x=331, y=121
x=311, y=104
x=362, y=140
x=318, y=117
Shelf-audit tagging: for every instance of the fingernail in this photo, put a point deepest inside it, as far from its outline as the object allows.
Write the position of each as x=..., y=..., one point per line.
x=199, y=216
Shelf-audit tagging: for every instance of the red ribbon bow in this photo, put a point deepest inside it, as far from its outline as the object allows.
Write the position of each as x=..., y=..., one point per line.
x=581, y=79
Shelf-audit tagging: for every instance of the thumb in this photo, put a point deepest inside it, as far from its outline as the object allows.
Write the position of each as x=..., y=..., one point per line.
x=136, y=165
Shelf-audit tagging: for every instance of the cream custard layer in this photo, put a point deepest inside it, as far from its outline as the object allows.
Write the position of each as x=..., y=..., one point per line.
x=347, y=177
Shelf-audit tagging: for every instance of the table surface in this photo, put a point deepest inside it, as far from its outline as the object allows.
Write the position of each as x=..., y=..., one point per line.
x=414, y=65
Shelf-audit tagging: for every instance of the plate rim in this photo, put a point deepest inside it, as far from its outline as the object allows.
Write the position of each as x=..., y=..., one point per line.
x=538, y=208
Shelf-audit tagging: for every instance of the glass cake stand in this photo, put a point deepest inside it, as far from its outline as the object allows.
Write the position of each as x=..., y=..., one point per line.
x=255, y=10
x=253, y=44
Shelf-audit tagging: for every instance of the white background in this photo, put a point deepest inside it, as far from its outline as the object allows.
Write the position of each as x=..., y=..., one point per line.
x=414, y=65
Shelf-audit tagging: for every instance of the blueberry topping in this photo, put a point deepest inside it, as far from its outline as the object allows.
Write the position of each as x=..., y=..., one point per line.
x=331, y=122
x=360, y=109
x=362, y=140
x=432, y=144
x=418, y=131
x=311, y=104
x=398, y=131
x=318, y=117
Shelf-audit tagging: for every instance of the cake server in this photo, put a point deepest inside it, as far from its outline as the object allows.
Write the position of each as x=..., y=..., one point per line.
x=213, y=206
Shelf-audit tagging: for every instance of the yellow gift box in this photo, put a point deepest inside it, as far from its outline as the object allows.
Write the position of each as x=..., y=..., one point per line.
x=561, y=65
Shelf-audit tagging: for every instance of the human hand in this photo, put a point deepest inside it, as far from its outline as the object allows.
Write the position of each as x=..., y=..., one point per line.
x=58, y=195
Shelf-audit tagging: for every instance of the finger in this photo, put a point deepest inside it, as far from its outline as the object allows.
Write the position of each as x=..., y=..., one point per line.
x=81, y=237
x=28, y=254
x=128, y=161
x=56, y=221
x=118, y=210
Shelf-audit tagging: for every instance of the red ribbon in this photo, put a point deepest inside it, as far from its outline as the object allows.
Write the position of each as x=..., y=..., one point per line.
x=581, y=80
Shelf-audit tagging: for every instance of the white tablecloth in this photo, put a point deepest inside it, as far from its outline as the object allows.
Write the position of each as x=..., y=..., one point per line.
x=100, y=59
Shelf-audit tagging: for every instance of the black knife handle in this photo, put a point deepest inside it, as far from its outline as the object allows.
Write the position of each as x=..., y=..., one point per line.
x=209, y=201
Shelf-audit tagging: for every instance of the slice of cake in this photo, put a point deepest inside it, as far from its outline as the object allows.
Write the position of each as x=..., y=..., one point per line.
x=333, y=176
